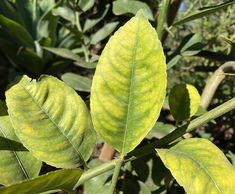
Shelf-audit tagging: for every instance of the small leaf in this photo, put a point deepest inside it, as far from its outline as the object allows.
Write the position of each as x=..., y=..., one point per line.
x=129, y=85
x=67, y=54
x=205, y=11
x=103, y=33
x=47, y=113
x=60, y=179
x=121, y=7
x=16, y=31
x=77, y=82
x=16, y=162
x=184, y=101
x=66, y=13
x=86, y=4
x=199, y=166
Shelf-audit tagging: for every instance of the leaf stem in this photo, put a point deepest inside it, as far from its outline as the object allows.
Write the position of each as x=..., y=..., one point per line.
x=115, y=175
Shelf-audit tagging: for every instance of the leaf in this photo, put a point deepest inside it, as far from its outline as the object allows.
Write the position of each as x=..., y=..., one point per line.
x=199, y=166
x=86, y=4
x=184, y=101
x=60, y=179
x=129, y=85
x=47, y=113
x=77, y=82
x=67, y=54
x=103, y=33
x=3, y=108
x=90, y=23
x=205, y=11
x=121, y=7
x=16, y=31
x=160, y=129
x=66, y=13
x=16, y=162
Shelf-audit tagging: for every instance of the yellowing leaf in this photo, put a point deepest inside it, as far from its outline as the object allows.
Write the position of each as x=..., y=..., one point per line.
x=184, y=101
x=200, y=167
x=51, y=120
x=129, y=85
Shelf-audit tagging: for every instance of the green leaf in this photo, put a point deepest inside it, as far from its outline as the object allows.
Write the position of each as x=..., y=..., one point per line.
x=86, y=4
x=89, y=23
x=16, y=162
x=3, y=108
x=66, y=13
x=77, y=82
x=60, y=179
x=8, y=10
x=103, y=33
x=67, y=54
x=16, y=31
x=47, y=113
x=121, y=7
x=199, y=166
x=129, y=85
x=184, y=101
x=205, y=11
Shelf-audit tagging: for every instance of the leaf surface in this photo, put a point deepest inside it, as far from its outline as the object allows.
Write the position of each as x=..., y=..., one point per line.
x=199, y=166
x=60, y=179
x=16, y=163
x=51, y=120
x=129, y=85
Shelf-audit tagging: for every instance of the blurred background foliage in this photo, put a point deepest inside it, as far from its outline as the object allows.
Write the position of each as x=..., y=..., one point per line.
x=64, y=38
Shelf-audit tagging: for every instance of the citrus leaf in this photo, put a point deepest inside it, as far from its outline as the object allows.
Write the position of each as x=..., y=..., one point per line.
x=184, y=101
x=129, y=85
x=49, y=112
x=16, y=162
x=199, y=166
x=77, y=82
x=60, y=179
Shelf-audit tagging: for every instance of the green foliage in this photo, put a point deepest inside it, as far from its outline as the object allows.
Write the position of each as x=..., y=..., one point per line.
x=199, y=166
x=121, y=95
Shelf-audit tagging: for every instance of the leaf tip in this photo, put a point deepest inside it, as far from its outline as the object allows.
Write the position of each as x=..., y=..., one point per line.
x=140, y=14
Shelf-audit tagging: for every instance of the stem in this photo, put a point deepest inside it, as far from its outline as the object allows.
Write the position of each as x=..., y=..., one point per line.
x=115, y=175
x=162, y=19
x=150, y=148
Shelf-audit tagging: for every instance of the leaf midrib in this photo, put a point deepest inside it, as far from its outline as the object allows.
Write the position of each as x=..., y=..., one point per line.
x=57, y=126
x=133, y=64
x=19, y=162
x=200, y=165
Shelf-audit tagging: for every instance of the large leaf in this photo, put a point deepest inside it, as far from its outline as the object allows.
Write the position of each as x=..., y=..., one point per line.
x=184, y=101
x=129, y=85
x=16, y=31
x=16, y=162
x=57, y=180
x=131, y=6
x=205, y=11
x=47, y=113
x=77, y=82
x=199, y=166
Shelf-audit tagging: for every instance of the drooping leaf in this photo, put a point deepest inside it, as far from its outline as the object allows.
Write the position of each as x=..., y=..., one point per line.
x=184, y=101
x=16, y=162
x=129, y=85
x=67, y=54
x=16, y=31
x=49, y=112
x=57, y=180
x=199, y=166
x=77, y=82
x=205, y=11
x=89, y=23
x=132, y=7
x=103, y=33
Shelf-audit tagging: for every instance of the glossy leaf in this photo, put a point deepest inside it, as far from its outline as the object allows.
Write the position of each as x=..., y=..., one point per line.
x=129, y=85
x=131, y=7
x=103, y=33
x=11, y=27
x=67, y=54
x=60, y=179
x=16, y=163
x=205, y=11
x=184, y=101
x=199, y=166
x=47, y=112
x=77, y=82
